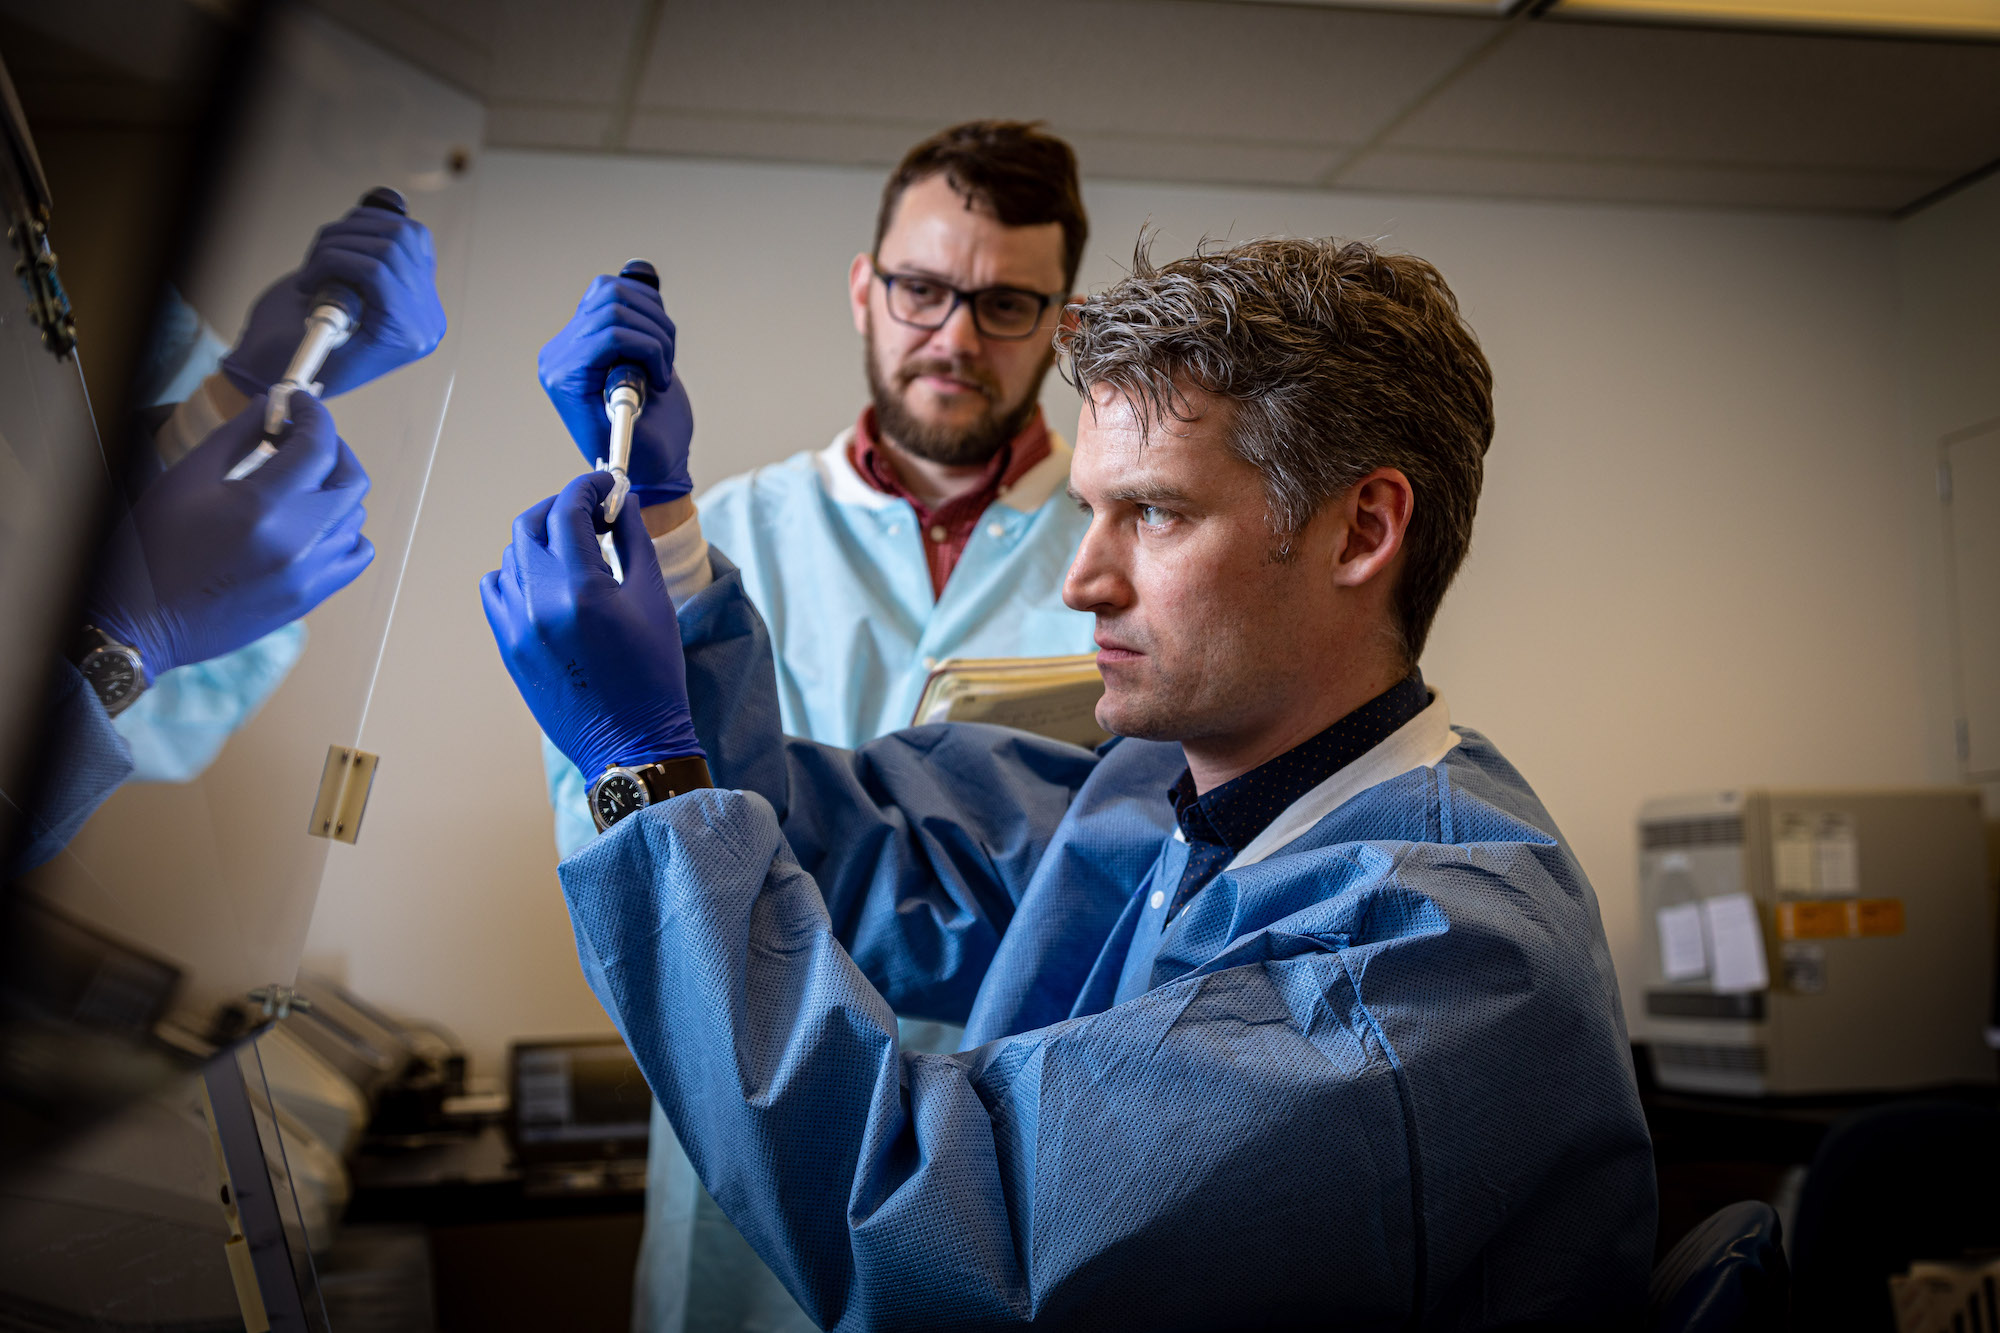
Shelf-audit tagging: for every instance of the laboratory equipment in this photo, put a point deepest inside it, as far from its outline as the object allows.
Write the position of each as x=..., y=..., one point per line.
x=336, y=311
x=577, y=1108
x=624, y=399
x=1803, y=941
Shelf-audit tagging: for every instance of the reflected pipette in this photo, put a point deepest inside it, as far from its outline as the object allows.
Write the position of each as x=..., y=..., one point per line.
x=336, y=311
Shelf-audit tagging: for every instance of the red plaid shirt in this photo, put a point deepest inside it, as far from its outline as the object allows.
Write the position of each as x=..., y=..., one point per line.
x=946, y=529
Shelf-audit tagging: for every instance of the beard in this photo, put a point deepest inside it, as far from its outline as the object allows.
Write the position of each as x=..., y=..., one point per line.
x=953, y=446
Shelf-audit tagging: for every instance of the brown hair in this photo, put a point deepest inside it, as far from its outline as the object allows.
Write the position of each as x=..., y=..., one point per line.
x=1337, y=359
x=1023, y=176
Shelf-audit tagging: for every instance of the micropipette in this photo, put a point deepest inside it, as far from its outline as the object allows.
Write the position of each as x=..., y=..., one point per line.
x=624, y=399
x=336, y=310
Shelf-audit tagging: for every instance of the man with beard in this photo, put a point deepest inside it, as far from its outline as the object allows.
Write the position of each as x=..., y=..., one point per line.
x=936, y=526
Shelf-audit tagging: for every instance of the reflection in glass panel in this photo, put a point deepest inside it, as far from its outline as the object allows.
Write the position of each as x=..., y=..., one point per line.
x=229, y=631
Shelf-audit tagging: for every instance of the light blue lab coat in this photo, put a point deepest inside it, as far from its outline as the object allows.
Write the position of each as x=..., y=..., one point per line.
x=1374, y=1075
x=177, y=727
x=838, y=570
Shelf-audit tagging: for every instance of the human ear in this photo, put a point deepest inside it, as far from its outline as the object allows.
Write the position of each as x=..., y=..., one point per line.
x=1376, y=512
x=860, y=276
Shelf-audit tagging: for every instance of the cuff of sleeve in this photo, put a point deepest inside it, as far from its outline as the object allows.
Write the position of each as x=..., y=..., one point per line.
x=193, y=421
x=683, y=554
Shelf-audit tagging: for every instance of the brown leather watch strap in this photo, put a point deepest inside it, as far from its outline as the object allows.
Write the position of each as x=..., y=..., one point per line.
x=671, y=777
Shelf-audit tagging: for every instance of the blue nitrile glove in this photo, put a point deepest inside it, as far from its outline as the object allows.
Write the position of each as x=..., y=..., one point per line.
x=203, y=566
x=599, y=662
x=622, y=322
x=381, y=255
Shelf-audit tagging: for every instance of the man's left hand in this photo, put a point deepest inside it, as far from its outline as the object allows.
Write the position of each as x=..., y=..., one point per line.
x=598, y=662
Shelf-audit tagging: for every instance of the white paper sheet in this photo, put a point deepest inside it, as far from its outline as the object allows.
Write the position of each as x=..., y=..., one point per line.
x=1736, y=943
x=1837, y=855
x=1683, y=954
x=1792, y=853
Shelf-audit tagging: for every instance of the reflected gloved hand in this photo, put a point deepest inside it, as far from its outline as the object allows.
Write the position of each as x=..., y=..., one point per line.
x=598, y=662
x=203, y=566
x=384, y=257
x=622, y=322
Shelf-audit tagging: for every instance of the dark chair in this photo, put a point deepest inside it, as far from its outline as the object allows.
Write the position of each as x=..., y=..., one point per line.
x=1728, y=1275
x=1896, y=1183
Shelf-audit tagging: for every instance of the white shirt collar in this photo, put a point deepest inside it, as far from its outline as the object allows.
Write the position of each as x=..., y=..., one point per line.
x=844, y=486
x=1419, y=743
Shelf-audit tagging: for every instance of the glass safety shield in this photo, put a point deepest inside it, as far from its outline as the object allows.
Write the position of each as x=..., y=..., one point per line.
x=158, y=924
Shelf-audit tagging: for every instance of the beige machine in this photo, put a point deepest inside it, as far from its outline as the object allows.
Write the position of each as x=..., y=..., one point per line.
x=1816, y=941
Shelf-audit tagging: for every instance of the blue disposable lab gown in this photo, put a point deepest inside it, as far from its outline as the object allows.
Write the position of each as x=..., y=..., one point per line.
x=87, y=760
x=1379, y=1076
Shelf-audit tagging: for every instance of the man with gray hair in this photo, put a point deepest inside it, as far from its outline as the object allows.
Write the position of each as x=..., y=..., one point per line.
x=1341, y=1044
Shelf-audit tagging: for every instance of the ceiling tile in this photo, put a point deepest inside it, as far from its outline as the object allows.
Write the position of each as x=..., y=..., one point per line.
x=1135, y=67
x=772, y=138
x=571, y=52
x=1691, y=96
x=1404, y=171
x=878, y=143
x=513, y=125
x=1110, y=157
x=442, y=36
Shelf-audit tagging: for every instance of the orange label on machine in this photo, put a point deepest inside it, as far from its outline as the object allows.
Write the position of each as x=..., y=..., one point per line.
x=1812, y=920
x=1846, y=918
x=1878, y=916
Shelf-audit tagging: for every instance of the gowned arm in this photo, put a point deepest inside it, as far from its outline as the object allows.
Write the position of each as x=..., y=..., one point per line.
x=87, y=761
x=922, y=842
x=1228, y=1149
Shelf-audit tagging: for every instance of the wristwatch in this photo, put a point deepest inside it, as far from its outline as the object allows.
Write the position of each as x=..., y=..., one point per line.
x=115, y=670
x=619, y=792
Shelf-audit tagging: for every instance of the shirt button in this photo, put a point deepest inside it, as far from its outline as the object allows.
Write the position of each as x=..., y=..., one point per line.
x=938, y=534
x=930, y=664
x=1158, y=900
x=996, y=530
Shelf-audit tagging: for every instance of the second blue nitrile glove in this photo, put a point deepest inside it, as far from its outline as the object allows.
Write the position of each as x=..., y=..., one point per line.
x=385, y=258
x=598, y=662
x=203, y=566
x=623, y=322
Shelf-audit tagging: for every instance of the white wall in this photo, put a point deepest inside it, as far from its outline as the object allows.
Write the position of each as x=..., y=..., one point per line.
x=1693, y=563
x=1948, y=267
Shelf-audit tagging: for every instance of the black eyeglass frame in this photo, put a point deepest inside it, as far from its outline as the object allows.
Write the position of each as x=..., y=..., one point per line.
x=961, y=297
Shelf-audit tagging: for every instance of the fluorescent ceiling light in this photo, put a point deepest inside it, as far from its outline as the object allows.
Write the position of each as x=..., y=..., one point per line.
x=1928, y=17
x=1482, y=7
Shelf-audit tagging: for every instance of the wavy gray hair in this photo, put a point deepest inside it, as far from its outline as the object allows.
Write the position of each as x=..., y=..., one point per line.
x=1337, y=359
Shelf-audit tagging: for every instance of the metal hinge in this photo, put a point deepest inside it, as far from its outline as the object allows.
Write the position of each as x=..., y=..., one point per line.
x=343, y=793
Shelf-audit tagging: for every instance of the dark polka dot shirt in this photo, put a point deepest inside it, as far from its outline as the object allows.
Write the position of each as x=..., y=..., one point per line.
x=1222, y=822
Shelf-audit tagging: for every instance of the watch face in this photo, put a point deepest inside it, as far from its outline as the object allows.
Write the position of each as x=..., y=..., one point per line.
x=113, y=675
x=617, y=796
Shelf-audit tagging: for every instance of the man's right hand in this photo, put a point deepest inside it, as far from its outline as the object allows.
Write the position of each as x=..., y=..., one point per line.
x=203, y=566
x=598, y=661
x=622, y=322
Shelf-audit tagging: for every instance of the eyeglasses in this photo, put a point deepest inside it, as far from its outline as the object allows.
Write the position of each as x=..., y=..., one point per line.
x=1006, y=313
